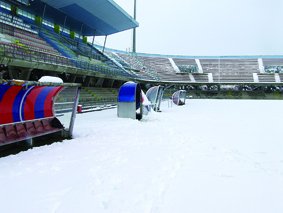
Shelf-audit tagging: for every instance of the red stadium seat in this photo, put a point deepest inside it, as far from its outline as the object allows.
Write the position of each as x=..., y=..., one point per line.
x=11, y=133
x=30, y=128
x=3, y=138
x=47, y=126
x=38, y=127
x=22, y=131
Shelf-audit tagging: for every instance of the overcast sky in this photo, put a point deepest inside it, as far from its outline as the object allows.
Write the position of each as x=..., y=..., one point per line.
x=203, y=27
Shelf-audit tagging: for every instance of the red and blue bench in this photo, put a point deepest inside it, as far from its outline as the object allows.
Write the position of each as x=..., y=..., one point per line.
x=26, y=111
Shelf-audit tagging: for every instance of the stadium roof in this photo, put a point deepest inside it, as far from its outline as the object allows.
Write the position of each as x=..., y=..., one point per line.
x=105, y=16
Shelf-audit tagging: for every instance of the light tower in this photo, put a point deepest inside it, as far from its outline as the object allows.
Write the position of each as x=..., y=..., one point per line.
x=134, y=30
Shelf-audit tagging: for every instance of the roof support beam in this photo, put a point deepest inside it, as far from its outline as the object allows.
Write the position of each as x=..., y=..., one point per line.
x=92, y=42
x=42, y=16
x=64, y=25
x=80, y=34
x=104, y=44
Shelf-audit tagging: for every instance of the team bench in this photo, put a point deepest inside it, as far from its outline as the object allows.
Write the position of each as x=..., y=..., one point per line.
x=27, y=110
x=26, y=131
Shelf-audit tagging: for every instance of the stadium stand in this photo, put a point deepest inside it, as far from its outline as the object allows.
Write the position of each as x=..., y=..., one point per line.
x=23, y=39
x=93, y=97
x=27, y=38
x=230, y=70
x=134, y=66
x=266, y=77
x=161, y=68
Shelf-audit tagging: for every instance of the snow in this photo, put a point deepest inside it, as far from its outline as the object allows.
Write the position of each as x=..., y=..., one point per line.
x=145, y=101
x=50, y=79
x=205, y=156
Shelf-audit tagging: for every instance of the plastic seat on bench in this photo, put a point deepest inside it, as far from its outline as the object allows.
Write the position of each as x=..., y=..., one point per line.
x=22, y=131
x=30, y=128
x=3, y=138
x=38, y=127
x=11, y=133
x=47, y=126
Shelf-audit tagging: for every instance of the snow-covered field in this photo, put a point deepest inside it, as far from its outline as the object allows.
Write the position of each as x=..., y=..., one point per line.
x=206, y=156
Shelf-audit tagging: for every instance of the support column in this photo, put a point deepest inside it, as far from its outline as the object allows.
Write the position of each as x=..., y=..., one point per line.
x=13, y=72
x=92, y=42
x=64, y=25
x=42, y=17
x=111, y=82
x=72, y=78
x=87, y=81
x=71, y=127
x=99, y=83
x=80, y=34
x=25, y=74
x=104, y=44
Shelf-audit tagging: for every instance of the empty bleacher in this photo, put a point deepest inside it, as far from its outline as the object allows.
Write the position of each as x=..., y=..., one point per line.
x=162, y=68
x=92, y=97
x=200, y=77
x=15, y=22
x=266, y=77
x=230, y=70
x=181, y=62
x=25, y=40
x=19, y=40
x=29, y=42
x=134, y=66
x=272, y=61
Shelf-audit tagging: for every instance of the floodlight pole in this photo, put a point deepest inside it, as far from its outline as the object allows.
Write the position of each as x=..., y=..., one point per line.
x=134, y=30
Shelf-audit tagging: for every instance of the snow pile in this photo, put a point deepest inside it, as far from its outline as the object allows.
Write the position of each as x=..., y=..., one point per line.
x=50, y=79
x=205, y=156
x=145, y=100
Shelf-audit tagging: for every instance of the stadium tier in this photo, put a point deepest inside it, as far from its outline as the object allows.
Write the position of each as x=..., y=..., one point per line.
x=40, y=47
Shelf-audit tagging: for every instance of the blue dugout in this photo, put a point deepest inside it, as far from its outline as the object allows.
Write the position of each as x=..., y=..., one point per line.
x=130, y=101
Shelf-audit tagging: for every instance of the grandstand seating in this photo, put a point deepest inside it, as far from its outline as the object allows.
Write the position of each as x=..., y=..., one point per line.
x=25, y=40
x=266, y=77
x=181, y=62
x=135, y=66
x=17, y=23
x=91, y=97
x=48, y=46
x=161, y=68
x=200, y=77
x=230, y=70
x=272, y=61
